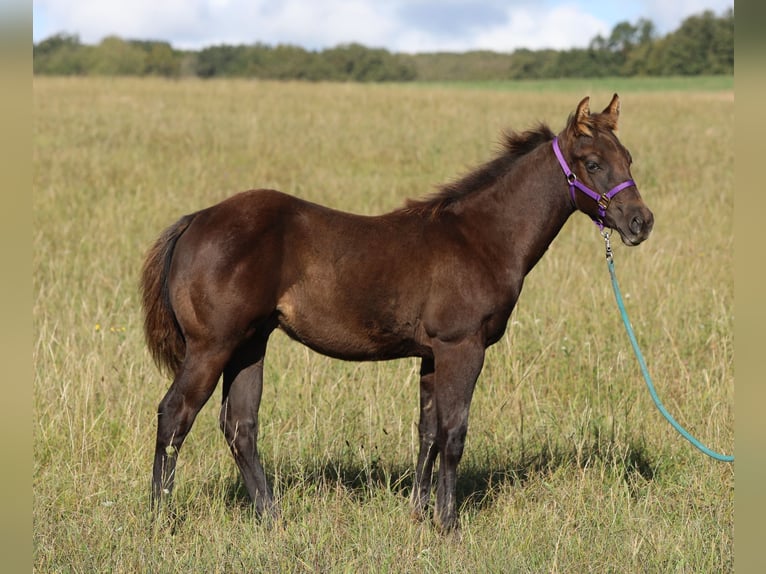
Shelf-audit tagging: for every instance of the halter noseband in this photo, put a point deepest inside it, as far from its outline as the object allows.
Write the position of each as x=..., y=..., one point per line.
x=601, y=200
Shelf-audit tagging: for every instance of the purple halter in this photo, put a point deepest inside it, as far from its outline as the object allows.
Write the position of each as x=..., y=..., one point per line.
x=601, y=200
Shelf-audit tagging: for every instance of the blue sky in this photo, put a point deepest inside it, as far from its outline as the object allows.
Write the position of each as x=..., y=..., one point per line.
x=398, y=25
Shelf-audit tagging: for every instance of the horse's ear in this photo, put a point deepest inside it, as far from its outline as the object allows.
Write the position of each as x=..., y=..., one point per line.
x=582, y=122
x=612, y=112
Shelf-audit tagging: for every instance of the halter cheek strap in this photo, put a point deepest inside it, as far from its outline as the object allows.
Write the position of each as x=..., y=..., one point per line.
x=601, y=200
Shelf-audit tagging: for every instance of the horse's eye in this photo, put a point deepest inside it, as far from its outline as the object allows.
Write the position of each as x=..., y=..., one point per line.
x=592, y=166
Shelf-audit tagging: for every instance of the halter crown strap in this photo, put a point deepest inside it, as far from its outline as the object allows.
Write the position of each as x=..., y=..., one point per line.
x=602, y=200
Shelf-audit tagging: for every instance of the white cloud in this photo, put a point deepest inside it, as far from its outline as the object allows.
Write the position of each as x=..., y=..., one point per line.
x=523, y=26
x=95, y=19
x=561, y=27
x=399, y=25
x=668, y=15
x=197, y=23
x=326, y=23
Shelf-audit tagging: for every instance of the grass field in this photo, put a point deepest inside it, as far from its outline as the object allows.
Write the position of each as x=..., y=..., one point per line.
x=589, y=85
x=568, y=466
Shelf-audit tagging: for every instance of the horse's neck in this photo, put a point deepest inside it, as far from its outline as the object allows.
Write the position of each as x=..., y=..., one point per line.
x=522, y=214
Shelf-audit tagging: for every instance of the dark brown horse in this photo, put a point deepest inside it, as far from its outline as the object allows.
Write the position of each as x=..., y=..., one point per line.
x=436, y=279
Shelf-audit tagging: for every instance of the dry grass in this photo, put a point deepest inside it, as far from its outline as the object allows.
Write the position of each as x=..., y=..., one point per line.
x=568, y=466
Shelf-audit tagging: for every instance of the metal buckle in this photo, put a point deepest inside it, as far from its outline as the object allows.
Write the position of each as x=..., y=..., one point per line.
x=607, y=244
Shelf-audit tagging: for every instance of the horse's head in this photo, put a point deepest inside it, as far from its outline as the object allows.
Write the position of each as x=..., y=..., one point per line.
x=597, y=167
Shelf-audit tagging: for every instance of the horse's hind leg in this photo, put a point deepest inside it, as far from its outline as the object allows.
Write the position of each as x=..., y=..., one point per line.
x=243, y=384
x=191, y=388
x=421, y=489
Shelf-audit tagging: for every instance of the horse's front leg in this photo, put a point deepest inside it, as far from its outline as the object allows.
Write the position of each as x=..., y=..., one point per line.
x=457, y=366
x=421, y=489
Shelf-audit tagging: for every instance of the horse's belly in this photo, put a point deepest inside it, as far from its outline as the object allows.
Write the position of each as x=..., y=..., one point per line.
x=343, y=334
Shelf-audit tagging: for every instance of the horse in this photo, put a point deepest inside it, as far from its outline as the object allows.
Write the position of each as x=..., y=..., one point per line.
x=436, y=279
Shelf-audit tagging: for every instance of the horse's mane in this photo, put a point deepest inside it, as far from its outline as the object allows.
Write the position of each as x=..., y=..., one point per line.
x=514, y=145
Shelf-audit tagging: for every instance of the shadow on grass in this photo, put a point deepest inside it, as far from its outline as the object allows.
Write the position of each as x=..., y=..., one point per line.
x=479, y=483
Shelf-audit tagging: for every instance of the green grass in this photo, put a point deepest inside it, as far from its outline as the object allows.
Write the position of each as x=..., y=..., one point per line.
x=568, y=466
x=624, y=86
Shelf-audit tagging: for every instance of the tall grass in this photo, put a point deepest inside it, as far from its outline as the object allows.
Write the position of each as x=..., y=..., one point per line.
x=567, y=468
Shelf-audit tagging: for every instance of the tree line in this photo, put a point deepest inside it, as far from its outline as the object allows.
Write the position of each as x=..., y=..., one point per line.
x=703, y=44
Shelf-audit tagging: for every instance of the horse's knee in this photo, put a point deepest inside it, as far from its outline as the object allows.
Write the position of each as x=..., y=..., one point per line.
x=169, y=420
x=427, y=433
x=454, y=443
x=239, y=431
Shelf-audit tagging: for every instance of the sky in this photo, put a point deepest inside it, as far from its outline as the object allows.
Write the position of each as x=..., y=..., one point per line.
x=398, y=25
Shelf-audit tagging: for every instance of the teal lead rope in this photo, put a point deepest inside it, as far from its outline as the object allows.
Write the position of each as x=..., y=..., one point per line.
x=618, y=296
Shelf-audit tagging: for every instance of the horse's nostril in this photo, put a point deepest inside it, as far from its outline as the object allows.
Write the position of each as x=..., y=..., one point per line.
x=636, y=224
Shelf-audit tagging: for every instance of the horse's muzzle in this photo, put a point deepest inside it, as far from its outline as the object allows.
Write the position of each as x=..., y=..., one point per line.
x=637, y=227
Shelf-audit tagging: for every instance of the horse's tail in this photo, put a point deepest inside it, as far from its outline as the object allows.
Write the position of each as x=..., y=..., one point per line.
x=163, y=334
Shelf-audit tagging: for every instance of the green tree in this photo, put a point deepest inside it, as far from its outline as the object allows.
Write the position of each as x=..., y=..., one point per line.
x=533, y=64
x=61, y=54
x=637, y=60
x=286, y=62
x=703, y=44
x=221, y=60
x=721, y=54
x=361, y=64
x=160, y=59
x=116, y=57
